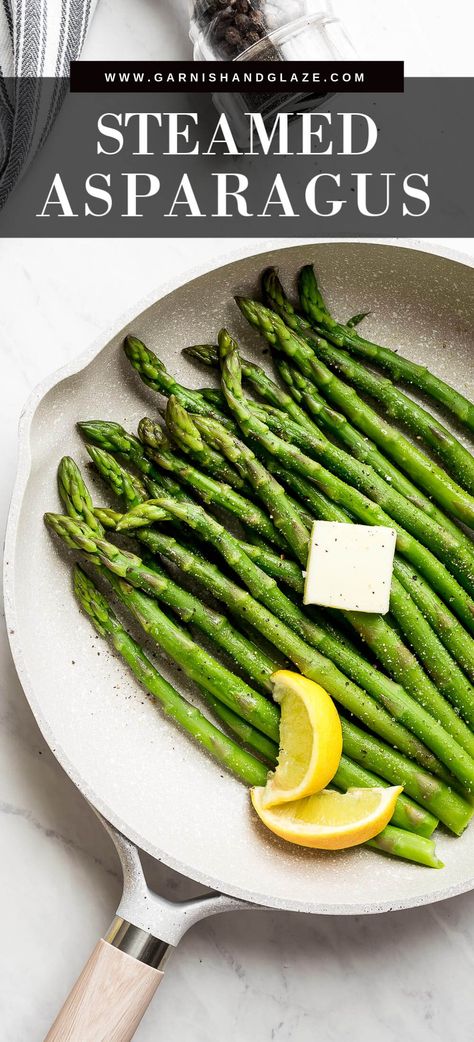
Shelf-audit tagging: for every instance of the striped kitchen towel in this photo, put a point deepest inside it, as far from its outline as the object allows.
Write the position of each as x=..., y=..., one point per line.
x=38, y=39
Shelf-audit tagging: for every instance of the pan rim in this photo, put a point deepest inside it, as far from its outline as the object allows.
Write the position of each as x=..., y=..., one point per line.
x=74, y=366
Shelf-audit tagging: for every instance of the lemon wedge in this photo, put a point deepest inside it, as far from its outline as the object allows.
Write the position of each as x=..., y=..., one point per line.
x=310, y=739
x=329, y=820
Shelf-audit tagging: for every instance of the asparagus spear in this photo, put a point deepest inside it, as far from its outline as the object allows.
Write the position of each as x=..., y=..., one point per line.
x=304, y=392
x=453, y=549
x=311, y=662
x=255, y=740
x=403, y=409
x=401, y=369
x=435, y=573
x=169, y=548
x=284, y=336
x=361, y=447
x=382, y=639
x=155, y=375
x=246, y=767
x=397, y=843
x=389, y=505
x=388, y=762
x=394, y=656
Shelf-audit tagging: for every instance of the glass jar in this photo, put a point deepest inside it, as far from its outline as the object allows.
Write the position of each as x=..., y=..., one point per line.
x=267, y=30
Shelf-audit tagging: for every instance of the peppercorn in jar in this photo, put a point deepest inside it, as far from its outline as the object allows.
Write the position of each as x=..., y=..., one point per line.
x=266, y=30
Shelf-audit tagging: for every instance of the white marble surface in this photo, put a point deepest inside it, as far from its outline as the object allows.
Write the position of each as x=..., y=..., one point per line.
x=270, y=976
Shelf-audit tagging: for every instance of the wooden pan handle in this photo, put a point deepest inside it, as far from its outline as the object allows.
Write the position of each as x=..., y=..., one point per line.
x=108, y=1000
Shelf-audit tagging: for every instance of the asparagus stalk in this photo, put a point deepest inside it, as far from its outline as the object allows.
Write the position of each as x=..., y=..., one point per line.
x=208, y=489
x=198, y=664
x=395, y=657
x=403, y=409
x=402, y=370
x=401, y=707
x=112, y=437
x=388, y=762
x=255, y=740
x=210, y=577
x=256, y=665
x=361, y=447
x=397, y=843
x=455, y=549
x=154, y=374
x=246, y=767
x=303, y=392
x=202, y=668
x=284, y=336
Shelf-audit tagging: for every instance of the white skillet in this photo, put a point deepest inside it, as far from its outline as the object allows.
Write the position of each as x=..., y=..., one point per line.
x=151, y=786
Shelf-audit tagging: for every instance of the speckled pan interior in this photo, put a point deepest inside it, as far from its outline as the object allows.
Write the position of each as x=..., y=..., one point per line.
x=130, y=762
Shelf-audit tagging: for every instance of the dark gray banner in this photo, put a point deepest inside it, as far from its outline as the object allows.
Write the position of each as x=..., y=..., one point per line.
x=176, y=165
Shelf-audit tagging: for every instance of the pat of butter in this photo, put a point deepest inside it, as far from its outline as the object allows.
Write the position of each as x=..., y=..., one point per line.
x=350, y=566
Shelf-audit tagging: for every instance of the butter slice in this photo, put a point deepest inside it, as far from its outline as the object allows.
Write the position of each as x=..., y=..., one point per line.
x=350, y=566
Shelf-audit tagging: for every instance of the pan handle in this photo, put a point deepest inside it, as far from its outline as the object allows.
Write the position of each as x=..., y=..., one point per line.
x=114, y=989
